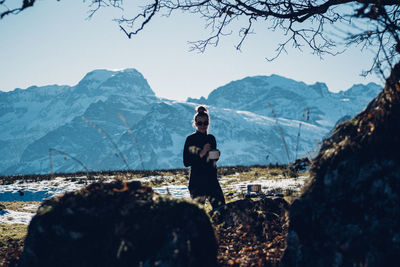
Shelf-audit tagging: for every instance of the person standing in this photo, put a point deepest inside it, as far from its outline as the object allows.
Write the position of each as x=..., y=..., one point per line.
x=201, y=154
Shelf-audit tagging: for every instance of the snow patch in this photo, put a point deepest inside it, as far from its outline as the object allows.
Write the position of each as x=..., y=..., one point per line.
x=15, y=217
x=174, y=191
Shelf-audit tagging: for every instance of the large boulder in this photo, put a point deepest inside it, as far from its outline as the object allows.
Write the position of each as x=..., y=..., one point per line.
x=119, y=224
x=349, y=214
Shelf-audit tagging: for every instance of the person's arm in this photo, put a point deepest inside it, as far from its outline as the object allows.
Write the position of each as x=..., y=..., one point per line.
x=204, y=151
x=187, y=158
x=213, y=142
x=191, y=154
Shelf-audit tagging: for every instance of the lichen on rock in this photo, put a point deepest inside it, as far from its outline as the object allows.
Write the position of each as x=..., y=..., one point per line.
x=119, y=224
x=349, y=213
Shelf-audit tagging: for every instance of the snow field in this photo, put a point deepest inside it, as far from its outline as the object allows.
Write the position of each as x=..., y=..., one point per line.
x=40, y=190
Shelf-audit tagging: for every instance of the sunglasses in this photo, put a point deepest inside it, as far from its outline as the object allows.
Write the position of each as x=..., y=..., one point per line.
x=199, y=123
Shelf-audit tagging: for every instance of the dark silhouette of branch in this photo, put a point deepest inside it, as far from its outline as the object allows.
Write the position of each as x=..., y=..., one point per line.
x=372, y=24
x=24, y=5
x=303, y=23
x=147, y=14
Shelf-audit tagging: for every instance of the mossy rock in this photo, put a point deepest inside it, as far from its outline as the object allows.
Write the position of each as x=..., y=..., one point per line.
x=118, y=224
x=349, y=214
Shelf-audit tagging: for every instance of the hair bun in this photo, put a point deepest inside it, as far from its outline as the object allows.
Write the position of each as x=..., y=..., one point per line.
x=201, y=109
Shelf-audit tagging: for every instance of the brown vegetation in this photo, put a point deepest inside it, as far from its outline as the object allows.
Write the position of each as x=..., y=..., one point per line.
x=239, y=243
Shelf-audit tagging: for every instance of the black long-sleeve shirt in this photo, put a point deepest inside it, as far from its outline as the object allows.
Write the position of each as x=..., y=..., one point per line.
x=203, y=174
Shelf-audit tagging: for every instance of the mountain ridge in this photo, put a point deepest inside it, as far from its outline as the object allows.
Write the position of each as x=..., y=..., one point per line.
x=114, y=120
x=262, y=94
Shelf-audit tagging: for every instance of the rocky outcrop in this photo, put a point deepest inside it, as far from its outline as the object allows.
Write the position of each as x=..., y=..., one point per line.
x=349, y=214
x=118, y=224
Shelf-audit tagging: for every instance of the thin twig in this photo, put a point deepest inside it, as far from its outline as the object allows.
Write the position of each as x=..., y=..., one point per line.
x=280, y=131
x=65, y=154
x=134, y=138
x=120, y=154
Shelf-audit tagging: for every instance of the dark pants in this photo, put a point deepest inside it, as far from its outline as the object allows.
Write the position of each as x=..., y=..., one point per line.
x=214, y=194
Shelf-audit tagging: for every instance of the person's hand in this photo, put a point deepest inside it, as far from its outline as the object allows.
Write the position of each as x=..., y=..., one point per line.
x=219, y=155
x=206, y=148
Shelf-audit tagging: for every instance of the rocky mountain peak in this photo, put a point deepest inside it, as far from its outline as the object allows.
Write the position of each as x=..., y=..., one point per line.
x=102, y=81
x=321, y=89
x=128, y=81
x=369, y=90
x=96, y=77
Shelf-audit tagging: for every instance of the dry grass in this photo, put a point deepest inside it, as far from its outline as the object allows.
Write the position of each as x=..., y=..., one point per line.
x=22, y=206
x=12, y=238
x=256, y=173
x=12, y=235
x=12, y=231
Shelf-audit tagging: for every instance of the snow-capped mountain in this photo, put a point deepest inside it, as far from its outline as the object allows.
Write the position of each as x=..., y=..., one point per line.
x=266, y=95
x=113, y=120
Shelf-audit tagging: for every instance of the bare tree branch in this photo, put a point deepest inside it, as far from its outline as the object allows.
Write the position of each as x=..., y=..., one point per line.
x=372, y=24
x=17, y=10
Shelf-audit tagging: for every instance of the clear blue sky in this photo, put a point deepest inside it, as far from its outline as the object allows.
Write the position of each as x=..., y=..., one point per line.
x=54, y=43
